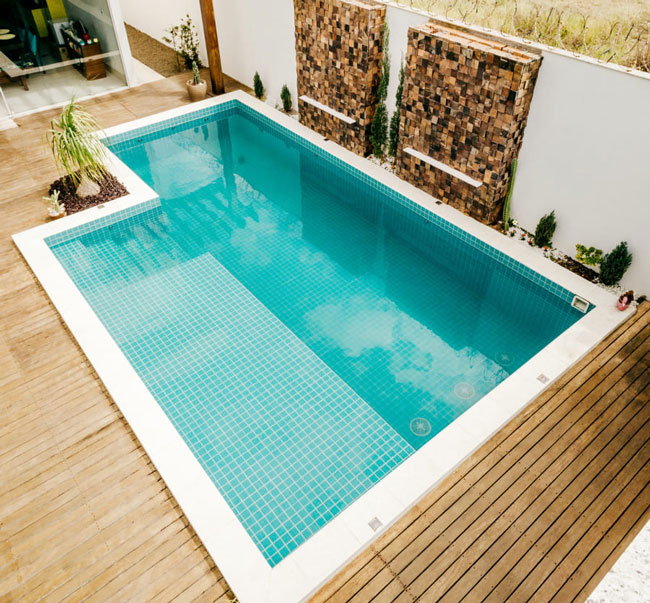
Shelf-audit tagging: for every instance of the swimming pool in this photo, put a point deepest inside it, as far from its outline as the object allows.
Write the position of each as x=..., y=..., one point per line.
x=306, y=329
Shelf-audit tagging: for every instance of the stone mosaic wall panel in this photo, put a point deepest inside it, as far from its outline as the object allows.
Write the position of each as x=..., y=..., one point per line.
x=465, y=104
x=338, y=58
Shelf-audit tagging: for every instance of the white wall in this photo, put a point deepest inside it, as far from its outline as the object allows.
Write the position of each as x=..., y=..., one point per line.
x=153, y=17
x=253, y=36
x=258, y=35
x=399, y=22
x=586, y=150
x=586, y=155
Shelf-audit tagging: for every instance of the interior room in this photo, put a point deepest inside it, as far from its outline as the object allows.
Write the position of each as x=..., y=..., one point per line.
x=51, y=50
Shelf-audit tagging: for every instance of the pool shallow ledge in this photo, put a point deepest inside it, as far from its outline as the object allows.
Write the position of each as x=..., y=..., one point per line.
x=315, y=561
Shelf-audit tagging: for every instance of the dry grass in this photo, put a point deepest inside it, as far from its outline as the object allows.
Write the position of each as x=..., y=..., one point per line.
x=615, y=31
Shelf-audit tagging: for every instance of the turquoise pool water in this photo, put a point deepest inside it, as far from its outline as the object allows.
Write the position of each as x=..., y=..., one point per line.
x=304, y=328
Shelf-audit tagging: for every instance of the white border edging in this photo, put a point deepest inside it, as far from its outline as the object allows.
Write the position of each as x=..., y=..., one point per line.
x=443, y=167
x=313, y=563
x=326, y=109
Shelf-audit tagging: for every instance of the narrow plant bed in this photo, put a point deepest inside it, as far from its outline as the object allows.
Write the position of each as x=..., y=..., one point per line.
x=110, y=188
x=569, y=263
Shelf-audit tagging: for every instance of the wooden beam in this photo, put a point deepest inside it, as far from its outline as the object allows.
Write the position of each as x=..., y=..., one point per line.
x=212, y=45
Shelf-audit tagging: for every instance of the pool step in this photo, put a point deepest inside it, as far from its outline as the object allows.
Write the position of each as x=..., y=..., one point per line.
x=246, y=393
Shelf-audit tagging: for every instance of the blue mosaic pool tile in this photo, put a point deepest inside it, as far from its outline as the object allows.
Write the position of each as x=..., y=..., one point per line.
x=304, y=327
x=201, y=322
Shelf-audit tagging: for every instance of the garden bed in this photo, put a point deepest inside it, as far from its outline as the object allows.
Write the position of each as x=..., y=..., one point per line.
x=110, y=188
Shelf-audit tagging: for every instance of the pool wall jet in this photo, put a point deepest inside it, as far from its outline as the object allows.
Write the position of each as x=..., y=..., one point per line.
x=338, y=74
x=464, y=110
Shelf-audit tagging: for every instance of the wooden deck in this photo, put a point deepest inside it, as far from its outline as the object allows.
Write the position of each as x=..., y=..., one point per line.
x=541, y=511
x=83, y=512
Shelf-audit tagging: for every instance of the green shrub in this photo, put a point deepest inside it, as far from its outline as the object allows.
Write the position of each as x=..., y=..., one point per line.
x=395, y=119
x=507, y=222
x=285, y=95
x=544, y=231
x=258, y=87
x=615, y=264
x=589, y=255
x=379, y=125
x=185, y=40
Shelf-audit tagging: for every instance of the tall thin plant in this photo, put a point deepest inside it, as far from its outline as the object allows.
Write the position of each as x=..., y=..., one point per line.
x=379, y=124
x=395, y=119
x=76, y=148
x=506, y=204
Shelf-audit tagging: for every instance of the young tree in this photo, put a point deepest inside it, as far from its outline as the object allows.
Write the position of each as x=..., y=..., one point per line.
x=395, y=119
x=258, y=87
x=379, y=125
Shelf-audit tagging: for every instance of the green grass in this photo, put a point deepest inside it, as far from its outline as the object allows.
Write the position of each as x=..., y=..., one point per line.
x=616, y=31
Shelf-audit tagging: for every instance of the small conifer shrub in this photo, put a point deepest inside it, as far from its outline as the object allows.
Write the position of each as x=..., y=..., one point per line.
x=285, y=95
x=258, y=87
x=615, y=264
x=545, y=230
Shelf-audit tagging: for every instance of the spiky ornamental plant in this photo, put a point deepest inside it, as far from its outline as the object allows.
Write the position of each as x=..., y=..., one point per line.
x=545, y=230
x=196, y=75
x=379, y=125
x=258, y=87
x=615, y=264
x=285, y=95
x=77, y=150
x=395, y=119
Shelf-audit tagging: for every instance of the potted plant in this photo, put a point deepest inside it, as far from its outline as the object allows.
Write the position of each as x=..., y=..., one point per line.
x=77, y=150
x=55, y=209
x=625, y=300
x=196, y=87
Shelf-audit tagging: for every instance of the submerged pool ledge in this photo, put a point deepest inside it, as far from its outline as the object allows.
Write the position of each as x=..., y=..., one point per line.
x=326, y=551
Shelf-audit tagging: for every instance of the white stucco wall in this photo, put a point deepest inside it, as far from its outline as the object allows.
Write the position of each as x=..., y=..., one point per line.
x=399, y=22
x=253, y=36
x=153, y=17
x=258, y=36
x=586, y=155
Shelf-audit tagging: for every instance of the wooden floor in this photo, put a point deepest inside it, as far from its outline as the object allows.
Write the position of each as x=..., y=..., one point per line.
x=541, y=511
x=83, y=512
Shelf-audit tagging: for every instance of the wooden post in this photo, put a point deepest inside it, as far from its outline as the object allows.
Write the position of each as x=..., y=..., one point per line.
x=212, y=45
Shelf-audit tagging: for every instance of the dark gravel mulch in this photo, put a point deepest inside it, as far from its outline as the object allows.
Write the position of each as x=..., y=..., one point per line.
x=111, y=188
x=575, y=266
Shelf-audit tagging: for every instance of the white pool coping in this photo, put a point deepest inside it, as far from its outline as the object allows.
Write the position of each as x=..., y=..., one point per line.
x=318, y=559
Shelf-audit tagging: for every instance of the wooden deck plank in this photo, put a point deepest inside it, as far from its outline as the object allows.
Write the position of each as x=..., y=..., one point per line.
x=410, y=559
x=548, y=512
x=82, y=509
x=538, y=516
x=564, y=454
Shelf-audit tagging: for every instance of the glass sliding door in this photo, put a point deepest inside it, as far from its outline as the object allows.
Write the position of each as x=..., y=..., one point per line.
x=52, y=50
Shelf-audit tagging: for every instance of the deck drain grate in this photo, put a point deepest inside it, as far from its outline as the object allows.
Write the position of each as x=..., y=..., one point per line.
x=375, y=524
x=542, y=378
